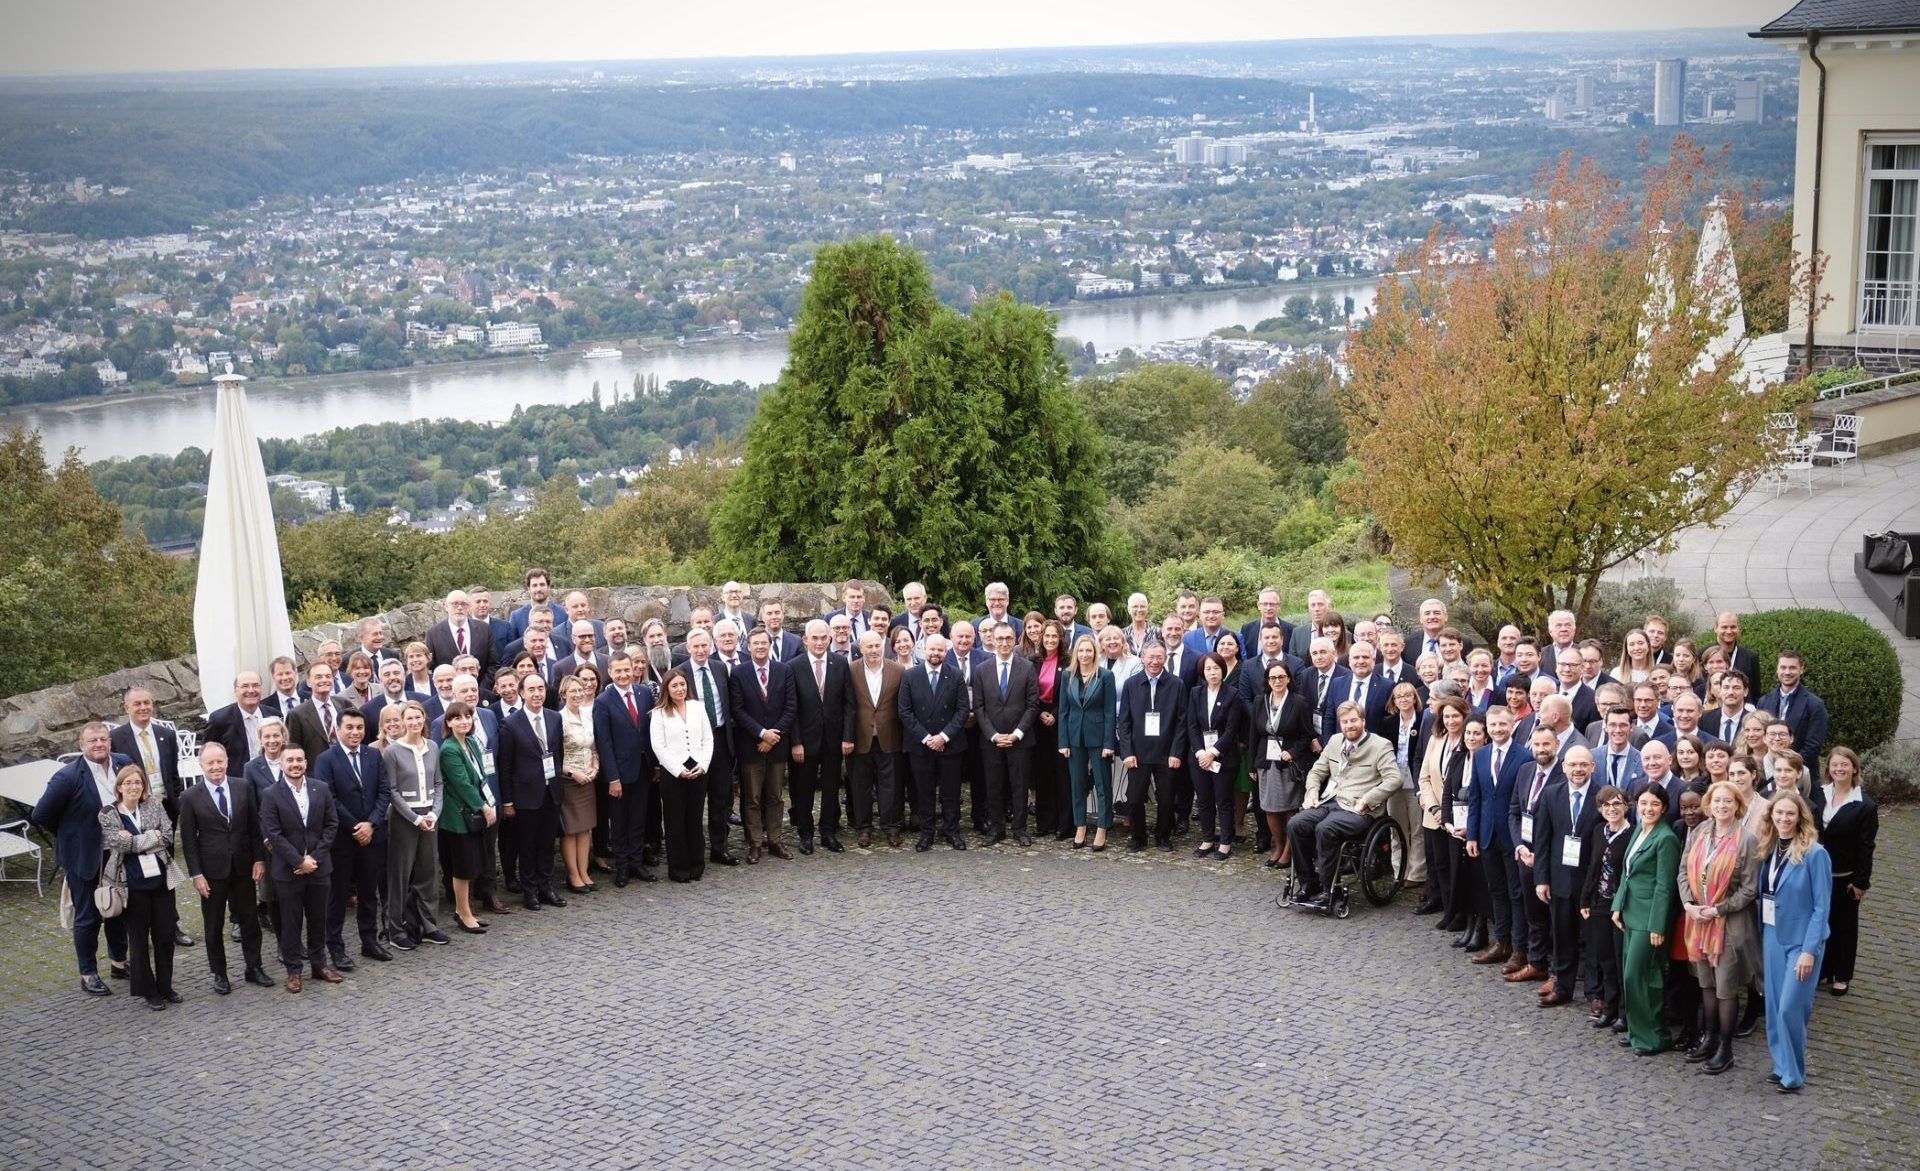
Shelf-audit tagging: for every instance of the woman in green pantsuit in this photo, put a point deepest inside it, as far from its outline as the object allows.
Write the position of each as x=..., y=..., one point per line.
x=1643, y=910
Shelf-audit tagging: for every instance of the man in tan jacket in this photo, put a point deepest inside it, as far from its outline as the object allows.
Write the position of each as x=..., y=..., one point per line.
x=1346, y=790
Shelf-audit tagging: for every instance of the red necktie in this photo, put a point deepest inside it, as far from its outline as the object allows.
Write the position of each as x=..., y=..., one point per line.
x=632, y=709
x=460, y=639
x=763, y=682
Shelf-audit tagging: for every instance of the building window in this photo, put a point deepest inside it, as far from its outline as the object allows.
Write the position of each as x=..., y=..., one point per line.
x=1890, y=268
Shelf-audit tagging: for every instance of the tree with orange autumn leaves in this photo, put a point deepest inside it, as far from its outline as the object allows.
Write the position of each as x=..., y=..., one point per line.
x=1528, y=420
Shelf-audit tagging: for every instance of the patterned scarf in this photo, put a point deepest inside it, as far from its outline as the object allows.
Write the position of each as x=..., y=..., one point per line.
x=1710, y=868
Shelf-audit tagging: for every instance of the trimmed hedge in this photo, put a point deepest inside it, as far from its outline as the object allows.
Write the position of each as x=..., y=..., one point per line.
x=1850, y=665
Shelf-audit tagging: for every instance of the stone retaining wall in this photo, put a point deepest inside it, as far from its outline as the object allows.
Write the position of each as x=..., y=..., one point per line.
x=44, y=723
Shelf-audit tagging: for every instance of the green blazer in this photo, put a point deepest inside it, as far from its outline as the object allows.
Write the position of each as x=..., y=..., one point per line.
x=463, y=786
x=1644, y=901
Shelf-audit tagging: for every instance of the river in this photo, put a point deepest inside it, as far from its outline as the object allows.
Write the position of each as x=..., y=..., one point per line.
x=170, y=421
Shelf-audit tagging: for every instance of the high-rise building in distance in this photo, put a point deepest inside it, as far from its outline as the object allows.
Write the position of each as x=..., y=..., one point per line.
x=1191, y=150
x=1749, y=101
x=1583, y=93
x=1670, y=91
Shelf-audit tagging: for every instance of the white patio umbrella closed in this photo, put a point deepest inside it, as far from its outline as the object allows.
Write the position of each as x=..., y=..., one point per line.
x=240, y=608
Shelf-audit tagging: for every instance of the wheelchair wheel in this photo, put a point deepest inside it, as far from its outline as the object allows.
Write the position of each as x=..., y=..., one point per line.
x=1342, y=904
x=1286, y=889
x=1383, y=862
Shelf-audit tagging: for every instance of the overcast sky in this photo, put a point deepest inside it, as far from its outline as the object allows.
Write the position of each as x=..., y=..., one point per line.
x=102, y=36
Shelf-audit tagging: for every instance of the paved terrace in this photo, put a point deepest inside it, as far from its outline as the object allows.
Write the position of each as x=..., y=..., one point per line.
x=1797, y=550
x=992, y=1009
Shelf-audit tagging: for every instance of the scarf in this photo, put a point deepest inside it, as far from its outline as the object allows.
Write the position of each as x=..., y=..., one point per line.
x=1710, y=868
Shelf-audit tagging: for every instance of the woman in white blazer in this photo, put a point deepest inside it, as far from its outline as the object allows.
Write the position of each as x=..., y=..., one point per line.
x=683, y=745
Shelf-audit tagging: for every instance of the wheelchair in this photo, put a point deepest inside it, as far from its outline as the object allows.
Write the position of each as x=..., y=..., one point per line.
x=1376, y=862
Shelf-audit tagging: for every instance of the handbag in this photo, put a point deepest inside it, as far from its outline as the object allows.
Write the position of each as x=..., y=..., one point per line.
x=475, y=820
x=1889, y=553
x=109, y=898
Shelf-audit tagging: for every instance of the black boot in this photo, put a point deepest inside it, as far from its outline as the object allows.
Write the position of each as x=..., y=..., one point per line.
x=1722, y=1059
x=1707, y=1044
x=1750, y=1018
x=1476, y=935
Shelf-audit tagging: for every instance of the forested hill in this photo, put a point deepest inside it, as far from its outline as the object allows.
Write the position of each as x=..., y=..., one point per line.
x=187, y=153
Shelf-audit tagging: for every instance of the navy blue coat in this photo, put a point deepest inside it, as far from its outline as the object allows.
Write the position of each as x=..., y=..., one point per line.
x=1325, y=718
x=925, y=712
x=523, y=779
x=364, y=800
x=752, y=713
x=70, y=811
x=624, y=748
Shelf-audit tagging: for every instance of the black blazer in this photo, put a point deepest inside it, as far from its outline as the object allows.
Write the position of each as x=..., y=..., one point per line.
x=229, y=727
x=167, y=747
x=304, y=728
x=753, y=713
x=1017, y=711
x=926, y=712
x=1849, y=839
x=366, y=799
x=1250, y=637
x=1295, y=731
x=441, y=645
x=822, y=720
x=1130, y=730
x=220, y=847
x=523, y=779
x=1326, y=719
x=1552, y=821
x=1227, y=717
x=1603, y=871
x=289, y=839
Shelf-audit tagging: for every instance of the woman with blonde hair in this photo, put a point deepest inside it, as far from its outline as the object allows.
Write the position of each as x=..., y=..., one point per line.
x=1717, y=889
x=1796, y=884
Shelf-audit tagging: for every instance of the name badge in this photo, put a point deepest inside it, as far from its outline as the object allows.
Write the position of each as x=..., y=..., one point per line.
x=1526, y=828
x=1570, y=850
x=1153, y=724
x=150, y=868
x=546, y=767
x=1273, y=749
x=1460, y=813
x=1766, y=910
x=1209, y=739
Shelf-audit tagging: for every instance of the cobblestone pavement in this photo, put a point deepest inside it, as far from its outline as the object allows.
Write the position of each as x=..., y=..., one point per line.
x=992, y=1009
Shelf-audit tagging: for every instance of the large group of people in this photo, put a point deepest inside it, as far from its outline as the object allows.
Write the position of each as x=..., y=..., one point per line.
x=1624, y=825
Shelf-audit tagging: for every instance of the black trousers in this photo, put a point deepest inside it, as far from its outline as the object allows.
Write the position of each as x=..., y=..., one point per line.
x=871, y=777
x=720, y=792
x=303, y=911
x=936, y=785
x=537, y=830
x=1441, y=850
x=1162, y=781
x=235, y=893
x=628, y=837
x=974, y=770
x=508, y=842
x=1604, y=942
x=1496, y=869
x=1843, y=932
x=1316, y=835
x=1569, y=931
x=1536, y=942
x=818, y=774
x=1047, y=776
x=1006, y=770
x=357, y=870
x=602, y=840
x=683, y=803
x=483, y=888
x=151, y=918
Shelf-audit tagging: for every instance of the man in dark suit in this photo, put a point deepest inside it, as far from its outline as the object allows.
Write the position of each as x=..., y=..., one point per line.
x=1616, y=759
x=220, y=840
x=531, y=760
x=460, y=634
x=373, y=642
x=1006, y=705
x=237, y=724
x=620, y=740
x=1433, y=627
x=1371, y=693
x=822, y=737
x=1726, y=632
x=874, y=694
x=1657, y=765
x=1183, y=662
x=393, y=692
x=1325, y=684
x=69, y=811
x=579, y=608
x=853, y=607
x=287, y=690
x=1566, y=813
x=786, y=645
x=314, y=724
x=1251, y=638
x=1523, y=812
x=1804, y=712
x=1393, y=668
x=539, y=596
x=964, y=657
x=299, y=822
x=357, y=777
x=1066, y=611
x=708, y=676
x=583, y=652
x=913, y=598
x=153, y=746
x=1648, y=723
x=1723, y=722
x=1151, y=733
x=1496, y=767
x=1560, y=642
x=481, y=600
x=933, y=716
x=763, y=713
x=1573, y=687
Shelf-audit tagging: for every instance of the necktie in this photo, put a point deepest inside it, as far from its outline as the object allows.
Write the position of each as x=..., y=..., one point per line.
x=763, y=682
x=706, y=697
x=326, y=719
x=1360, y=691
x=820, y=676
x=220, y=798
x=460, y=639
x=1785, y=698
x=148, y=757
x=1003, y=679
x=1326, y=681
x=1433, y=646
x=633, y=709
x=1617, y=761
x=1499, y=754
x=933, y=679
x=353, y=761
x=538, y=720
x=1577, y=794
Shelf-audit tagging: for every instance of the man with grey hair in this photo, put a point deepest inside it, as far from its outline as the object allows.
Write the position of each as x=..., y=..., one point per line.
x=933, y=717
x=1300, y=645
x=460, y=634
x=706, y=675
x=373, y=641
x=733, y=608
x=998, y=597
x=913, y=596
x=822, y=736
x=69, y=813
x=875, y=694
x=1563, y=824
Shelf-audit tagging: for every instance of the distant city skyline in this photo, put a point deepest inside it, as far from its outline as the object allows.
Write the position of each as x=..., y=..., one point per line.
x=120, y=36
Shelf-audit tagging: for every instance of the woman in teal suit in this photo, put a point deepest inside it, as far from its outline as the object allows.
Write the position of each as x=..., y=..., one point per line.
x=1643, y=910
x=1086, y=738
x=1796, y=890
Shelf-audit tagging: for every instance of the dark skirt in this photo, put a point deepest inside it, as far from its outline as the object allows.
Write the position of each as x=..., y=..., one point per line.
x=464, y=852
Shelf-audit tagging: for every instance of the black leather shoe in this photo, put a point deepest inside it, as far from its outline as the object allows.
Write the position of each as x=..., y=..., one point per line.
x=806, y=843
x=957, y=841
x=620, y=879
x=258, y=978
x=437, y=936
x=343, y=963
x=724, y=860
x=832, y=844
x=374, y=952
x=181, y=938
x=157, y=1003
x=480, y=929
x=1136, y=847
x=924, y=844
x=992, y=841
x=529, y=901
x=174, y=998
x=645, y=875
x=1022, y=840
x=1620, y=1024
x=221, y=986
x=1426, y=908
x=93, y=985
x=551, y=899
x=513, y=886
x=578, y=890
x=116, y=973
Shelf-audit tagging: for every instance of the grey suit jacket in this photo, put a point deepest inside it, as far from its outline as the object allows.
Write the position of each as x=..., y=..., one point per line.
x=409, y=788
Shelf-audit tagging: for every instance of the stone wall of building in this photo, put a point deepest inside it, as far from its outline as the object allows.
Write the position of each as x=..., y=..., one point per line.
x=1876, y=361
x=45, y=723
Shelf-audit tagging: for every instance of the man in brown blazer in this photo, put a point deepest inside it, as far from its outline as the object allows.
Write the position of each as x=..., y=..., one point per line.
x=876, y=740
x=314, y=723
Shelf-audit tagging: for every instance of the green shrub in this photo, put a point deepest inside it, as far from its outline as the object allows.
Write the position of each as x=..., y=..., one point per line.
x=1891, y=773
x=1622, y=606
x=317, y=609
x=1344, y=564
x=1850, y=665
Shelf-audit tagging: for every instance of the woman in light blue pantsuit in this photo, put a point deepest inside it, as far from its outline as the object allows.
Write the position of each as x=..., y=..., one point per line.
x=1796, y=886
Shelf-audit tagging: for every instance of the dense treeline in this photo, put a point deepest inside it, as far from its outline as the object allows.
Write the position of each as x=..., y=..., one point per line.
x=187, y=153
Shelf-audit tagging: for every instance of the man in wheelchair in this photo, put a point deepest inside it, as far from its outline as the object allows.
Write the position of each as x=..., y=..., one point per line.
x=1346, y=792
